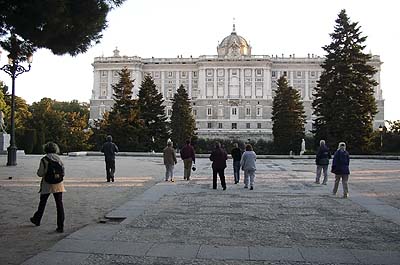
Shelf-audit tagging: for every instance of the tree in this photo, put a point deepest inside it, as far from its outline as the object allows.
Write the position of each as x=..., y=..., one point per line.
x=183, y=125
x=344, y=103
x=152, y=112
x=122, y=122
x=288, y=118
x=61, y=26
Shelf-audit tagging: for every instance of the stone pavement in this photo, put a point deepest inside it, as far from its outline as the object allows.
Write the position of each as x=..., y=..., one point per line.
x=287, y=219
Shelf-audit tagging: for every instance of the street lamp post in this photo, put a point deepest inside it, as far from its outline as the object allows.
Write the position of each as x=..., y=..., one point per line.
x=381, y=133
x=13, y=69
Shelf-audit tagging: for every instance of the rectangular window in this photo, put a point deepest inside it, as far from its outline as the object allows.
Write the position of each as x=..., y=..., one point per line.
x=298, y=74
x=183, y=74
x=247, y=125
x=273, y=73
x=194, y=74
x=209, y=72
x=104, y=73
x=234, y=111
x=169, y=74
x=209, y=125
x=209, y=111
x=219, y=125
x=312, y=73
x=234, y=126
x=195, y=112
x=258, y=72
x=234, y=72
x=259, y=111
x=258, y=125
x=248, y=111
x=284, y=73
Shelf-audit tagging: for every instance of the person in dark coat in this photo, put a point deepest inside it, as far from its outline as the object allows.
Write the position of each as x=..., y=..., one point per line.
x=218, y=158
x=236, y=156
x=189, y=158
x=109, y=149
x=322, y=162
x=340, y=167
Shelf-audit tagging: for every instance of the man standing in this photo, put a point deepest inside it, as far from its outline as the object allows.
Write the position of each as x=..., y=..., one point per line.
x=109, y=149
x=322, y=162
x=188, y=157
x=169, y=161
x=218, y=158
x=236, y=156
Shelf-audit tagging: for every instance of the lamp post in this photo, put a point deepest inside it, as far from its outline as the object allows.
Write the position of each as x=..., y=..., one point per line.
x=381, y=133
x=14, y=69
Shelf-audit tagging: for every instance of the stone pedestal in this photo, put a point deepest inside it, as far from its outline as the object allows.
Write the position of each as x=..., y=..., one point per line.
x=4, y=141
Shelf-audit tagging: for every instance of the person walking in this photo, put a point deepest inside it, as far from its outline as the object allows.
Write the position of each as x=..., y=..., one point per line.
x=248, y=164
x=109, y=149
x=322, y=162
x=169, y=161
x=189, y=158
x=340, y=167
x=218, y=158
x=51, y=161
x=236, y=154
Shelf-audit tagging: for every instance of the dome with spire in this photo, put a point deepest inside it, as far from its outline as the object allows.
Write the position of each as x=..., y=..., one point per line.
x=234, y=46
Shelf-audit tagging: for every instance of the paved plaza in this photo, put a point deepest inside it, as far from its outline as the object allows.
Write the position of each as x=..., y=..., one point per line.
x=141, y=219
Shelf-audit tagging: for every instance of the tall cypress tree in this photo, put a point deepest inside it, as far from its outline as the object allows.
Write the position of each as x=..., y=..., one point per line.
x=183, y=125
x=288, y=118
x=123, y=120
x=152, y=112
x=344, y=103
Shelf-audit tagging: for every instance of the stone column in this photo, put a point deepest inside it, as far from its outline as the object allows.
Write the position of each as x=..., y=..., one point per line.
x=177, y=80
x=253, y=83
x=307, y=87
x=215, y=89
x=202, y=84
x=241, y=84
x=267, y=93
x=164, y=93
x=226, y=94
x=189, y=88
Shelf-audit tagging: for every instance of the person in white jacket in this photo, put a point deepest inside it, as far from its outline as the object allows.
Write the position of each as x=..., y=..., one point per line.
x=248, y=165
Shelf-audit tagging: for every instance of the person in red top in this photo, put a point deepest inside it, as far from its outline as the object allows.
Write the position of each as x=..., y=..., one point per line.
x=189, y=158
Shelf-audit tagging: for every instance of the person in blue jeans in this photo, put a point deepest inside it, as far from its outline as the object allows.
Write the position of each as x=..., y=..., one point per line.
x=340, y=167
x=236, y=154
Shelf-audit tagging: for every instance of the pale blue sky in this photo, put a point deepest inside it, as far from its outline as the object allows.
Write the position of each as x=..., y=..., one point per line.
x=167, y=28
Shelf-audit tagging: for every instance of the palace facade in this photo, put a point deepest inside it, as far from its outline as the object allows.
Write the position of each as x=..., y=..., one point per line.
x=231, y=92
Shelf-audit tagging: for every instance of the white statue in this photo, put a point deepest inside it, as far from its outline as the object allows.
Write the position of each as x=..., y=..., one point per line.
x=2, y=126
x=303, y=147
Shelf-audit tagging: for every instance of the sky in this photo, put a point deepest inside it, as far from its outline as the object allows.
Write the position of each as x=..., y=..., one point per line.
x=165, y=29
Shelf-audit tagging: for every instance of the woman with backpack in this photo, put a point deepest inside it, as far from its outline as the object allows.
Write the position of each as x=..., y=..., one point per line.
x=51, y=170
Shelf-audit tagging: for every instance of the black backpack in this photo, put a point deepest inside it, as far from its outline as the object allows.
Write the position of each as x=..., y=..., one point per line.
x=55, y=172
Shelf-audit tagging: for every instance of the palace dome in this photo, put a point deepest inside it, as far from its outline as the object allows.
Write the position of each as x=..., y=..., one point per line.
x=233, y=46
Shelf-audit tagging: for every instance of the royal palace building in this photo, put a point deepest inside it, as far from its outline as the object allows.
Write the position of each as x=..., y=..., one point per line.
x=231, y=93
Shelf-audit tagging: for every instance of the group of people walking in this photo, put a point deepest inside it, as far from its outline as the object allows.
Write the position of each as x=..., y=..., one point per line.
x=51, y=170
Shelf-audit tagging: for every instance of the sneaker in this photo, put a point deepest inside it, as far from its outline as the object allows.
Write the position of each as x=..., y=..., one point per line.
x=345, y=196
x=172, y=180
x=236, y=182
x=60, y=230
x=246, y=187
x=112, y=179
x=33, y=221
x=224, y=188
x=251, y=188
x=166, y=180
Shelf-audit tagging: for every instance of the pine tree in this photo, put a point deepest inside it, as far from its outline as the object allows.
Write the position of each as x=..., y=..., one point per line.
x=152, y=112
x=183, y=125
x=288, y=118
x=123, y=120
x=344, y=103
